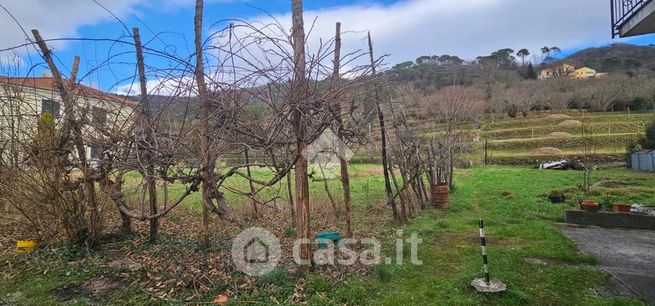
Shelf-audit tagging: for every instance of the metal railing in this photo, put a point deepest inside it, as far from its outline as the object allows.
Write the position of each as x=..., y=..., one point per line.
x=622, y=10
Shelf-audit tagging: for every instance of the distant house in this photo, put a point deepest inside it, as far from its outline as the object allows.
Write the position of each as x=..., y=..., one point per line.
x=583, y=73
x=24, y=100
x=567, y=70
x=643, y=160
x=546, y=73
x=556, y=71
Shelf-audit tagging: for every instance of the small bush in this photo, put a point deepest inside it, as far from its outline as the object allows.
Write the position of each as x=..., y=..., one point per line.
x=606, y=203
x=316, y=285
x=382, y=273
x=512, y=111
x=289, y=232
x=278, y=277
x=648, y=140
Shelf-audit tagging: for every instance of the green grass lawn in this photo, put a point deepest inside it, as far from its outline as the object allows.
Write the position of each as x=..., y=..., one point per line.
x=520, y=222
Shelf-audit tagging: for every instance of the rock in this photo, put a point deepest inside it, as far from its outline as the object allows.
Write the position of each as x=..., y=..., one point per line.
x=493, y=286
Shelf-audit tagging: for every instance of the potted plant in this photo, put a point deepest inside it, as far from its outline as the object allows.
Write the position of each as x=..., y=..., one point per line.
x=621, y=208
x=589, y=205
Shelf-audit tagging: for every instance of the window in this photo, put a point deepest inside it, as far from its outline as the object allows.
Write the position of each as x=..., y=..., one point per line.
x=98, y=117
x=50, y=106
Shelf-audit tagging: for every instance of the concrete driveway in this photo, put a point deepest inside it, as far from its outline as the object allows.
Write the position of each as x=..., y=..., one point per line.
x=627, y=255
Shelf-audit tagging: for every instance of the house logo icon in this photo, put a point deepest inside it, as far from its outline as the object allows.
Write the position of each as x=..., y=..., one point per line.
x=256, y=251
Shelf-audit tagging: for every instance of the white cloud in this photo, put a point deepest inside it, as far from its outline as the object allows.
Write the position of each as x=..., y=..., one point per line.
x=467, y=28
x=56, y=19
x=404, y=30
x=166, y=87
x=171, y=5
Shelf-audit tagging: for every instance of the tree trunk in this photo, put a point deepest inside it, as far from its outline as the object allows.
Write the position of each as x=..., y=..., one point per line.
x=329, y=194
x=252, y=186
x=71, y=125
x=383, y=134
x=207, y=167
x=403, y=210
x=343, y=163
x=114, y=191
x=298, y=89
x=148, y=129
x=291, y=204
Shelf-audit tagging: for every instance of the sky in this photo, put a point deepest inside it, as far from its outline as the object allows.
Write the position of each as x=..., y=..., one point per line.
x=401, y=29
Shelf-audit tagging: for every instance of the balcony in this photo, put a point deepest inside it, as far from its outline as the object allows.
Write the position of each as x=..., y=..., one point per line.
x=632, y=17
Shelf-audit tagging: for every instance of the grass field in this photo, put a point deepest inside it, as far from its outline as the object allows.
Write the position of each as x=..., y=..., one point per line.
x=610, y=133
x=520, y=221
x=514, y=140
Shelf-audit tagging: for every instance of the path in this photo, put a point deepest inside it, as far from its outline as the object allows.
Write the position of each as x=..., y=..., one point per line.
x=627, y=255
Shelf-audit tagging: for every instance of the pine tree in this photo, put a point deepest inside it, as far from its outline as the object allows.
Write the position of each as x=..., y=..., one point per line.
x=530, y=72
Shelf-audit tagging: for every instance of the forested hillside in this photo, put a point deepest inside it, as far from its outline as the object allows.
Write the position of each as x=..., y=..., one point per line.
x=508, y=79
x=617, y=58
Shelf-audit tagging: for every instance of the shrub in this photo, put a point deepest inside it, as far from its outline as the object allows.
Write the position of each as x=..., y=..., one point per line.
x=606, y=203
x=278, y=277
x=317, y=284
x=512, y=111
x=289, y=232
x=629, y=149
x=648, y=140
x=43, y=192
x=382, y=273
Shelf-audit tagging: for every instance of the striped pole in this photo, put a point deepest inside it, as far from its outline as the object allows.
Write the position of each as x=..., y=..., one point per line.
x=483, y=243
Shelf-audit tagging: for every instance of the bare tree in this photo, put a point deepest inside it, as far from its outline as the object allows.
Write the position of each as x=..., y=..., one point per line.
x=453, y=106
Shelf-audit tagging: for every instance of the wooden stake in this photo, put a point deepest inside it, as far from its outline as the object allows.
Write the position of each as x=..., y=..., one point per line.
x=148, y=129
x=383, y=134
x=207, y=171
x=343, y=163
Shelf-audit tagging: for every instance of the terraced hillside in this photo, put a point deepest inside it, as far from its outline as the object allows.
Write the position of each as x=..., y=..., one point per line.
x=544, y=136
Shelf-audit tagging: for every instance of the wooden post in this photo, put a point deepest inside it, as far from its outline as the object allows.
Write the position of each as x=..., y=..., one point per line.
x=207, y=167
x=343, y=163
x=486, y=152
x=298, y=89
x=383, y=134
x=252, y=186
x=148, y=129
